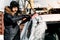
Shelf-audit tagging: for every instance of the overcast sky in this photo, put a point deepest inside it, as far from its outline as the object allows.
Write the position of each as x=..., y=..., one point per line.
x=1, y=5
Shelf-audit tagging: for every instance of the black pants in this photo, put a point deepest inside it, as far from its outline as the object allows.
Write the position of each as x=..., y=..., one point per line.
x=17, y=37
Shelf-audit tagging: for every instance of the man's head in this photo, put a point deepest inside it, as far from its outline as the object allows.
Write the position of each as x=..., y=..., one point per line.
x=14, y=6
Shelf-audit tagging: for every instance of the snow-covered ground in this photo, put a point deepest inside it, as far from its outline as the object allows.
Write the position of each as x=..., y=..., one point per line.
x=1, y=37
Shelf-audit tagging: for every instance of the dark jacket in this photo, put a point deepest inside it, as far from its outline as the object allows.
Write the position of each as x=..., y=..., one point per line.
x=12, y=31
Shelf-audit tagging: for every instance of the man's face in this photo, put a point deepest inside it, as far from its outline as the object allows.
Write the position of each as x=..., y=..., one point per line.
x=14, y=9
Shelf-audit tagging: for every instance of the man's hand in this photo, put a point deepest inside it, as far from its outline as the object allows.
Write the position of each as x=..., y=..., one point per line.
x=24, y=19
x=34, y=15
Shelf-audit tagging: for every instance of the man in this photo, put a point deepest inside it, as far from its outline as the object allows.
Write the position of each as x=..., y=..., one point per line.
x=12, y=31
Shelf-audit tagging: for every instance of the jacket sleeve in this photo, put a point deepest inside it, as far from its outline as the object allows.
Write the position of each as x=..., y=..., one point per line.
x=17, y=18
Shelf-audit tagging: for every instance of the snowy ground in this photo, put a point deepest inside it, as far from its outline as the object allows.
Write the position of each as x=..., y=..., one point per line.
x=1, y=37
